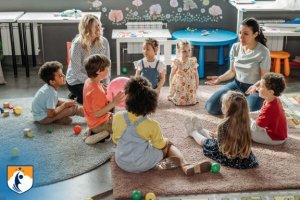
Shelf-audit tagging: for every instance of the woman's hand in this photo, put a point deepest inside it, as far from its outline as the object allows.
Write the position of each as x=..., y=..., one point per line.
x=213, y=80
x=251, y=90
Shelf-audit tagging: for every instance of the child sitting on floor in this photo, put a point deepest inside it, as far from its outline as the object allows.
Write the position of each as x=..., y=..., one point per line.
x=95, y=104
x=184, y=79
x=232, y=147
x=270, y=127
x=46, y=107
x=150, y=67
x=140, y=143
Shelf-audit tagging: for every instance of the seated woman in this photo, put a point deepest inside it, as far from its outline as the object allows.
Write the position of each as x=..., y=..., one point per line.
x=89, y=41
x=249, y=61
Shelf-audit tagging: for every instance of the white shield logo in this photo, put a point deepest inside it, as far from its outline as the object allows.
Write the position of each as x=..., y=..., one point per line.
x=20, y=178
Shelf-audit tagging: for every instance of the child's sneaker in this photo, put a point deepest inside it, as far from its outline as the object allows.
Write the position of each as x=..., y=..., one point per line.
x=95, y=138
x=188, y=124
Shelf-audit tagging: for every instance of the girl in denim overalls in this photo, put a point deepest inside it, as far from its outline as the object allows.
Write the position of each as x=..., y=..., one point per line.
x=150, y=67
x=184, y=79
x=141, y=145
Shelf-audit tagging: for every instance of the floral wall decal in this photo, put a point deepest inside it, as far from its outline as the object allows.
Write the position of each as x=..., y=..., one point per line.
x=172, y=11
x=174, y=3
x=115, y=15
x=189, y=4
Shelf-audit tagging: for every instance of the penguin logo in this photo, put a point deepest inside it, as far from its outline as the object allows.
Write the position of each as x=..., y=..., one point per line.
x=19, y=178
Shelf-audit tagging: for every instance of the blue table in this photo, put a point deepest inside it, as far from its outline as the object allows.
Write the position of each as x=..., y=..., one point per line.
x=207, y=37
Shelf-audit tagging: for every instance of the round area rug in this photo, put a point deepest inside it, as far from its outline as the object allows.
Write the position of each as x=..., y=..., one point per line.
x=55, y=156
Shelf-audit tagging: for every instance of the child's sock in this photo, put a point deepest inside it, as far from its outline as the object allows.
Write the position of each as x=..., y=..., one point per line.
x=197, y=124
x=197, y=137
x=188, y=124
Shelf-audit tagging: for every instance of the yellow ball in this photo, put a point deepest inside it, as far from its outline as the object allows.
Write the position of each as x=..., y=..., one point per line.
x=15, y=152
x=150, y=196
x=18, y=110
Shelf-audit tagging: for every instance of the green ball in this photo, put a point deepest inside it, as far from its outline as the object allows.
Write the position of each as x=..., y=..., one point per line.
x=14, y=152
x=124, y=70
x=215, y=168
x=136, y=195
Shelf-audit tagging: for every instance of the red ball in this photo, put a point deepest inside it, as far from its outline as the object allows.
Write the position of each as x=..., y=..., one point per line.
x=77, y=129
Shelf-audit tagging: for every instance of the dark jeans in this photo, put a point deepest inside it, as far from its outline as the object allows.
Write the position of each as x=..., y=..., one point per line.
x=213, y=104
x=77, y=91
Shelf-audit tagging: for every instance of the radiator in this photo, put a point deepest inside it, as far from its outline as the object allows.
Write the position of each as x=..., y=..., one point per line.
x=275, y=43
x=134, y=47
x=6, y=45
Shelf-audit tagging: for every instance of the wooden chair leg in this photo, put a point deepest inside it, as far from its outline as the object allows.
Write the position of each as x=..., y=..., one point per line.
x=286, y=67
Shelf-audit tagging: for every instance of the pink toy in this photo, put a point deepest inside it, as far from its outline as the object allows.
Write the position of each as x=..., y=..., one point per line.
x=115, y=86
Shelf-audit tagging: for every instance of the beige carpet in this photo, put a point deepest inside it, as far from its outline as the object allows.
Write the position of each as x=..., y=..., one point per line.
x=279, y=167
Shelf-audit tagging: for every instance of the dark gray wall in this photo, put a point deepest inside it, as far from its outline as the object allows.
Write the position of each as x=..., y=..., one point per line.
x=56, y=35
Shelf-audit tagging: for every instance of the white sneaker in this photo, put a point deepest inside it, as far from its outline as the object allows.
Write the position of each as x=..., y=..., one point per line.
x=188, y=124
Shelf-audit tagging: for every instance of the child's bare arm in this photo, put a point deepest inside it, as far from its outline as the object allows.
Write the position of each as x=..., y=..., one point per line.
x=116, y=100
x=137, y=73
x=61, y=105
x=161, y=81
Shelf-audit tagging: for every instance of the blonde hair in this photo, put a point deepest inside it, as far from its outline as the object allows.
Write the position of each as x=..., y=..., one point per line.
x=181, y=44
x=84, y=28
x=236, y=142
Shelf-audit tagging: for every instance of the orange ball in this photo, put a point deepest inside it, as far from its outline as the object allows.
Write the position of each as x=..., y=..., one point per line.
x=77, y=129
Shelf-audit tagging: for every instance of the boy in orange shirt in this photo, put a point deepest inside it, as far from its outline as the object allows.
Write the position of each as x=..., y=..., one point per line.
x=95, y=104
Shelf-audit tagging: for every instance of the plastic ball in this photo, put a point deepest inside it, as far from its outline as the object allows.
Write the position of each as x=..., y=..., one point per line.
x=150, y=196
x=116, y=86
x=18, y=110
x=14, y=152
x=124, y=70
x=215, y=168
x=77, y=129
x=136, y=195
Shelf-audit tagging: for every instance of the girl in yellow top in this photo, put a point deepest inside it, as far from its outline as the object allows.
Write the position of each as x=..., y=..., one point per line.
x=140, y=143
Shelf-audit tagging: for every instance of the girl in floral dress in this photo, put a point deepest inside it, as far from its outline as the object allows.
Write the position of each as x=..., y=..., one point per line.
x=184, y=79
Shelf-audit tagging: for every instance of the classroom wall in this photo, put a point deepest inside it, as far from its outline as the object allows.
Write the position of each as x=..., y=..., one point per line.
x=179, y=14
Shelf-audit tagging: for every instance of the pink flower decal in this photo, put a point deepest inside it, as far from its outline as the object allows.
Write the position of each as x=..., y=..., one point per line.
x=97, y=4
x=115, y=15
x=155, y=9
x=215, y=10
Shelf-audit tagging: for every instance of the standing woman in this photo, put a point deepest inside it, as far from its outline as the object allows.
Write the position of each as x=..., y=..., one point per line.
x=249, y=61
x=89, y=41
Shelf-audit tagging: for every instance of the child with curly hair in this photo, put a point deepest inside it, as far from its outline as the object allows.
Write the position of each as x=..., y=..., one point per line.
x=141, y=145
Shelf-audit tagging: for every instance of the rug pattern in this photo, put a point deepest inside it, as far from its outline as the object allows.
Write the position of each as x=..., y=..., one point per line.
x=55, y=156
x=278, y=165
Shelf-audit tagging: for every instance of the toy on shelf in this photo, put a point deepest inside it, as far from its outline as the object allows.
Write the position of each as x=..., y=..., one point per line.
x=69, y=13
x=124, y=70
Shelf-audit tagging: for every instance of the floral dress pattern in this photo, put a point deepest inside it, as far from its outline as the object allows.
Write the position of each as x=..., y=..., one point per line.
x=183, y=87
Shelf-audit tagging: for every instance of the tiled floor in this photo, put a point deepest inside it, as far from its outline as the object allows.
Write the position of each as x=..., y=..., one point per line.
x=99, y=180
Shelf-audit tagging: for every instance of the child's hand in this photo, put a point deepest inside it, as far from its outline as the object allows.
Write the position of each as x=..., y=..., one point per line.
x=120, y=97
x=251, y=90
x=104, y=87
x=213, y=80
x=68, y=104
